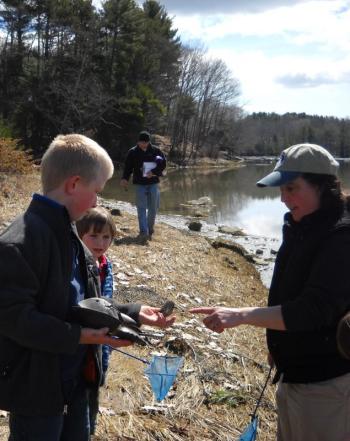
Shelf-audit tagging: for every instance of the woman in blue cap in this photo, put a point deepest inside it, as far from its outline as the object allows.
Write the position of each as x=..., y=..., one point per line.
x=309, y=293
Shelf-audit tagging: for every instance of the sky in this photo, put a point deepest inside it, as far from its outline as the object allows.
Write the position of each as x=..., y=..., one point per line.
x=288, y=55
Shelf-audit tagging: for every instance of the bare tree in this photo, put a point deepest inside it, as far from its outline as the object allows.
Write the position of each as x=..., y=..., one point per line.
x=206, y=89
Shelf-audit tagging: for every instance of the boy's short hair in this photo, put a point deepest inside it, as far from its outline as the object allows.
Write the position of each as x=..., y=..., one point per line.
x=70, y=155
x=96, y=218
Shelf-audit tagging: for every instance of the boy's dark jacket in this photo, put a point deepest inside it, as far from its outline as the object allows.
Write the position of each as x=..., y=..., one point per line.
x=312, y=283
x=36, y=267
x=134, y=163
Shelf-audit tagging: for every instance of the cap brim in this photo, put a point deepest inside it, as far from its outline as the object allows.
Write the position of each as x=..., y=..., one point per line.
x=277, y=178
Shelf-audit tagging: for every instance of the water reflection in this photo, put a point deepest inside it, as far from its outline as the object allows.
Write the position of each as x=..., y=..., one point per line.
x=262, y=217
x=238, y=202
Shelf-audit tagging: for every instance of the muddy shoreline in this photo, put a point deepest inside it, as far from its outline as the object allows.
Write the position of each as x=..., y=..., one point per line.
x=261, y=249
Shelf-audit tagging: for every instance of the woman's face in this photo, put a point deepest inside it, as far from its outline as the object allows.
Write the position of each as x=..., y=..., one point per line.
x=300, y=197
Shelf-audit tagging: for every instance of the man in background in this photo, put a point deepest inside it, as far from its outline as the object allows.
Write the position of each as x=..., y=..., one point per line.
x=146, y=163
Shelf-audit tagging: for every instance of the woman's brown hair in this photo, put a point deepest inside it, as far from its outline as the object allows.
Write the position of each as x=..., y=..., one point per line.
x=332, y=196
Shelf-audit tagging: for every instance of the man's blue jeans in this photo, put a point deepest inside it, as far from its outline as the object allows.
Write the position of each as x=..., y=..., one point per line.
x=147, y=204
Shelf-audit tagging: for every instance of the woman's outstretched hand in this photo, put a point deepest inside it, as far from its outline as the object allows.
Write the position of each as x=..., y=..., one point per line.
x=218, y=318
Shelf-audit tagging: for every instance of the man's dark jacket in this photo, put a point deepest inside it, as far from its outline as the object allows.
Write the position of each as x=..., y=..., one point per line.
x=36, y=268
x=312, y=283
x=134, y=164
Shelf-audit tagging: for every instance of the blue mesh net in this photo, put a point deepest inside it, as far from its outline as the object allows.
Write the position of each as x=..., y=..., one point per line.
x=162, y=373
x=250, y=432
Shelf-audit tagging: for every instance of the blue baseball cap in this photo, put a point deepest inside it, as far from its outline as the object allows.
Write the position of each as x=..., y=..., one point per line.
x=299, y=159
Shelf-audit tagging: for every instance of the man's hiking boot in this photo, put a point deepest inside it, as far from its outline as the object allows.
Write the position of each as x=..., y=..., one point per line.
x=143, y=238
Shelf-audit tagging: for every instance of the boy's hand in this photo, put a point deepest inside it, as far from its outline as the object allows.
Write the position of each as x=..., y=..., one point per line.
x=149, y=315
x=90, y=336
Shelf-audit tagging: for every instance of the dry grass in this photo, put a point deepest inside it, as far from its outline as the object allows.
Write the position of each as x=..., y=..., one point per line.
x=15, y=193
x=18, y=180
x=13, y=160
x=222, y=376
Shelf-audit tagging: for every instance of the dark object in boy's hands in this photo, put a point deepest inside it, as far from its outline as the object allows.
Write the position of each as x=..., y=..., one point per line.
x=167, y=308
x=97, y=313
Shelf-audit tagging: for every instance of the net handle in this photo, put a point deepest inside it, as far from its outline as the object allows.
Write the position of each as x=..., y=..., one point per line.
x=261, y=394
x=129, y=355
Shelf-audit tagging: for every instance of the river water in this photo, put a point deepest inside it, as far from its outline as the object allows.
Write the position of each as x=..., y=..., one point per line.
x=237, y=202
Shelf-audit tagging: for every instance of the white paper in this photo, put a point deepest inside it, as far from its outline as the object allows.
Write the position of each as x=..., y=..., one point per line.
x=147, y=167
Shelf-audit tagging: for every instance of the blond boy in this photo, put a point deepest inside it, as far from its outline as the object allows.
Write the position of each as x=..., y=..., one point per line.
x=46, y=271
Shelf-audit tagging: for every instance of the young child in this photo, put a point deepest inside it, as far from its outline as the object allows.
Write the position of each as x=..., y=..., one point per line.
x=45, y=271
x=97, y=230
